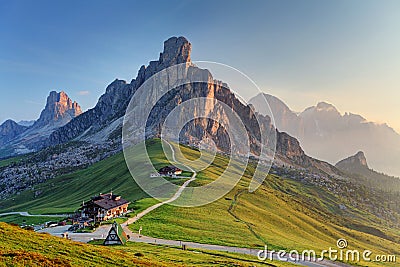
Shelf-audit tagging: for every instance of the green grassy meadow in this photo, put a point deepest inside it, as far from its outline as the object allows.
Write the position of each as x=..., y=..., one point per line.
x=282, y=213
x=65, y=193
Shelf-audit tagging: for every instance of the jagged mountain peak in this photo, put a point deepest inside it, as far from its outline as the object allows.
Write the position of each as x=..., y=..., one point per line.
x=353, y=162
x=325, y=106
x=360, y=157
x=321, y=109
x=17, y=139
x=59, y=110
x=177, y=50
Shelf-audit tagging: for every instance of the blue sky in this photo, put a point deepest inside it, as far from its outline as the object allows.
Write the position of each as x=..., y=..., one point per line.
x=341, y=51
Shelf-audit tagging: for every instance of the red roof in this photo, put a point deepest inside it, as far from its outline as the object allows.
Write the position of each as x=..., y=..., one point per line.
x=109, y=201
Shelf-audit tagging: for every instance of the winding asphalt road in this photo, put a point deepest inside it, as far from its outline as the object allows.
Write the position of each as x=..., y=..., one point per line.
x=24, y=213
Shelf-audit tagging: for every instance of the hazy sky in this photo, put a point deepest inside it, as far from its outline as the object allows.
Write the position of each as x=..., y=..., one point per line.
x=345, y=52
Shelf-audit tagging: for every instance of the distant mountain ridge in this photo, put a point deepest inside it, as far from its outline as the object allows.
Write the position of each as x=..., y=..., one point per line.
x=26, y=123
x=326, y=134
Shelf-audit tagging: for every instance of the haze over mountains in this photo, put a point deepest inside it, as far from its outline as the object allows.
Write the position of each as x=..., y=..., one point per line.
x=328, y=135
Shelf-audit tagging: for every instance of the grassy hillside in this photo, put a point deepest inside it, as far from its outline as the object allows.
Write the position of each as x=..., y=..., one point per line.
x=268, y=216
x=6, y=162
x=65, y=193
x=20, y=247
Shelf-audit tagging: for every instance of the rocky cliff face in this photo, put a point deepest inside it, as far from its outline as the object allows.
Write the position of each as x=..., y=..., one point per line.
x=353, y=163
x=59, y=110
x=9, y=130
x=290, y=147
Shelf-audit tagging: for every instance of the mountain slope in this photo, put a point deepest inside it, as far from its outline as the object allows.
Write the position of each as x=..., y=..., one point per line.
x=326, y=134
x=9, y=130
x=284, y=213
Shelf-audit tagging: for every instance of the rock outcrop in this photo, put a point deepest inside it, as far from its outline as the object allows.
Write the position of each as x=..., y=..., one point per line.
x=353, y=164
x=59, y=110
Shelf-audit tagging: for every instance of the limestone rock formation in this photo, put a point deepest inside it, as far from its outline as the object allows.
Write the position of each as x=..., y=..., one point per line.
x=59, y=110
x=352, y=163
